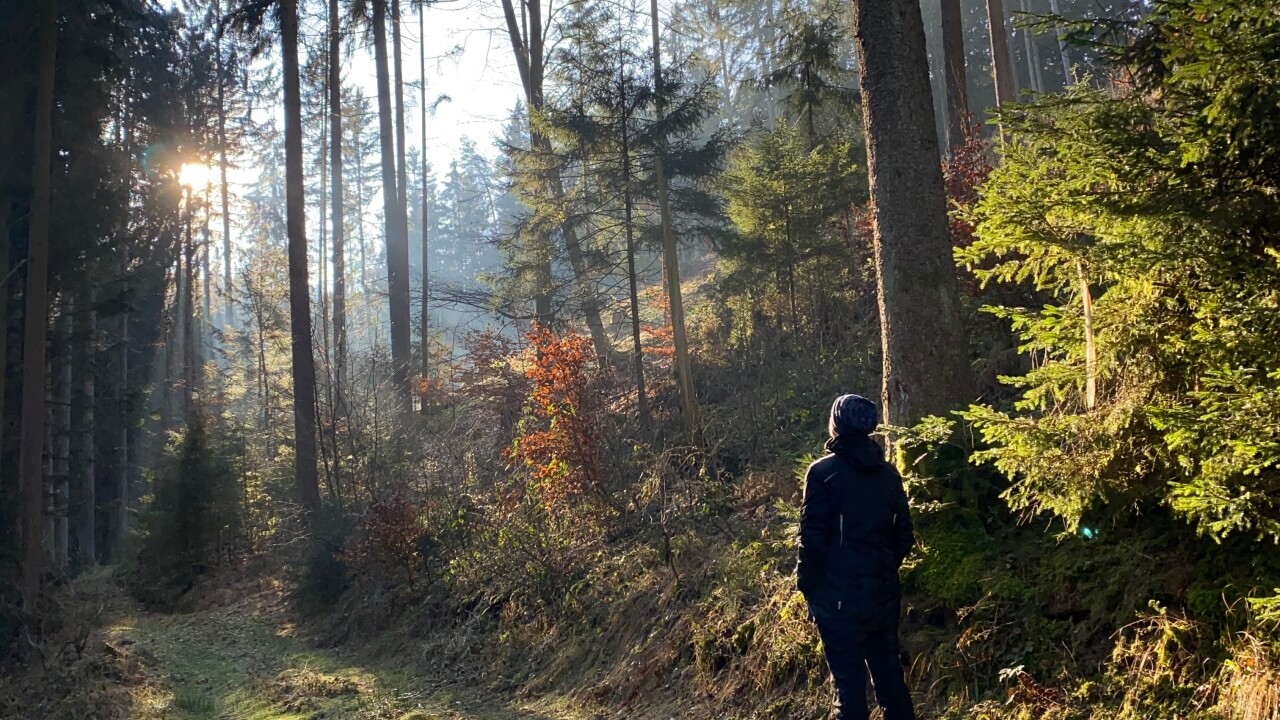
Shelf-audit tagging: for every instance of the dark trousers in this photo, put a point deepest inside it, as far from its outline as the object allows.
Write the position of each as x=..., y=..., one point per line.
x=852, y=648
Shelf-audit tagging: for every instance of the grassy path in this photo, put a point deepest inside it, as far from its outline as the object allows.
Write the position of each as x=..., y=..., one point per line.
x=243, y=661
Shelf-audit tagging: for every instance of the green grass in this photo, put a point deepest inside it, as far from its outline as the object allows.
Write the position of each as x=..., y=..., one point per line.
x=241, y=664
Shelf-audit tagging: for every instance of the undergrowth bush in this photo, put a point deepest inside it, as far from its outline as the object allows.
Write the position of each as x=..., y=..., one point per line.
x=192, y=521
x=558, y=442
x=389, y=545
x=325, y=575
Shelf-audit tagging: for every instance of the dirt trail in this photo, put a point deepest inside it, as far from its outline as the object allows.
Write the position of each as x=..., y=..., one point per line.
x=244, y=661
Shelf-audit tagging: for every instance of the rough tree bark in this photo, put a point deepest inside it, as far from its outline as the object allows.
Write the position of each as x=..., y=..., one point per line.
x=9, y=277
x=926, y=371
x=5, y=278
x=304, y=369
x=30, y=456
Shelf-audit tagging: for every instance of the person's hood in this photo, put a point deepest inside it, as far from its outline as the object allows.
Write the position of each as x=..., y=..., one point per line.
x=859, y=451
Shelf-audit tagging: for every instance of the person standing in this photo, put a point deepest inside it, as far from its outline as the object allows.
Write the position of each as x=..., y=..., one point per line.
x=855, y=531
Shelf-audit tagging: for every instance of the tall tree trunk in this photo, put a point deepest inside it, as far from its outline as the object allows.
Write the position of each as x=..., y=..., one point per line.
x=228, y=306
x=51, y=484
x=642, y=401
x=926, y=370
x=402, y=186
x=85, y=505
x=394, y=218
x=671, y=260
x=62, y=437
x=322, y=264
x=1001, y=64
x=339, y=231
x=425, y=318
x=325, y=417
x=9, y=277
x=1032, y=53
x=120, y=519
x=1067, y=80
x=364, y=247
x=30, y=456
x=578, y=263
x=956, y=80
x=726, y=86
x=5, y=279
x=304, y=369
x=189, y=371
x=174, y=348
x=118, y=509
x=402, y=170
x=206, y=291
x=264, y=376
x=769, y=58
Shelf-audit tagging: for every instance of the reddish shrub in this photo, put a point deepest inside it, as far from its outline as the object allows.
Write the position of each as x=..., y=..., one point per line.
x=963, y=172
x=558, y=442
x=387, y=543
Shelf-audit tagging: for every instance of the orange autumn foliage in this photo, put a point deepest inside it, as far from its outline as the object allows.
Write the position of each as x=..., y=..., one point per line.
x=558, y=442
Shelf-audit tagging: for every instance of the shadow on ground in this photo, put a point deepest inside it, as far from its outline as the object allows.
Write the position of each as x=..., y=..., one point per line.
x=244, y=662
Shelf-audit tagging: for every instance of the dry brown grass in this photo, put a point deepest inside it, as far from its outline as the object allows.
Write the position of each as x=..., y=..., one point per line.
x=1250, y=682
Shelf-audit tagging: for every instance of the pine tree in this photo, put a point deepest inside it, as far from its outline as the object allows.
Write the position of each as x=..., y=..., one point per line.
x=528, y=45
x=812, y=72
x=1182, y=237
x=781, y=196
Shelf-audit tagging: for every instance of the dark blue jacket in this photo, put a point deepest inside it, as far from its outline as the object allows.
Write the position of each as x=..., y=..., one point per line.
x=855, y=531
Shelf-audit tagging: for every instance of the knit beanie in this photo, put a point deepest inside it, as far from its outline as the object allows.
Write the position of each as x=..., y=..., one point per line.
x=852, y=415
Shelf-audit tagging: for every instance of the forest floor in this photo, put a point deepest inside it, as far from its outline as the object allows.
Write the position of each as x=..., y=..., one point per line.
x=242, y=658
